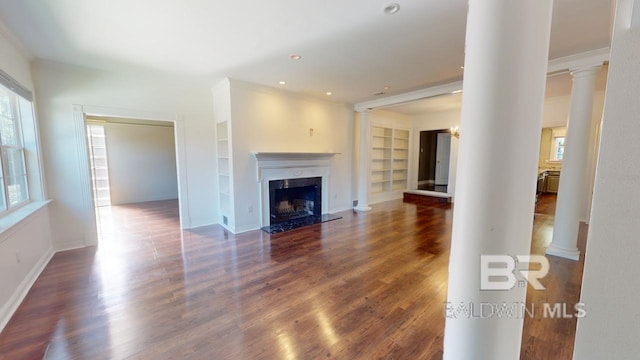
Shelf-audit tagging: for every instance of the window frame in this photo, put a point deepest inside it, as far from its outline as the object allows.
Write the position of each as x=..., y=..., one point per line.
x=555, y=146
x=15, y=99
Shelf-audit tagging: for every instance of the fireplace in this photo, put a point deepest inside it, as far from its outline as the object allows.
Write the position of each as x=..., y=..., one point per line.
x=294, y=189
x=291, y=199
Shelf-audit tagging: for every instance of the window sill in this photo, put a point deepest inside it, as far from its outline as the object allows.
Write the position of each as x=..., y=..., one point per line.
x=554, y=161
x=10, y=220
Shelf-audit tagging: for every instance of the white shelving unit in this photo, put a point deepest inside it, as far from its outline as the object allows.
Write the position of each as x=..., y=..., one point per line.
x=224, y=172
x=400, y=159
x=389, y=162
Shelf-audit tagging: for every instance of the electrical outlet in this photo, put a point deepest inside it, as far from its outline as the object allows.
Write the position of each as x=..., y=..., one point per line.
x=18, y=257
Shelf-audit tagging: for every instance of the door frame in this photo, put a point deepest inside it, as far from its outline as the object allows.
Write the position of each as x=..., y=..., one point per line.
x=438, y=156
x=80, y=113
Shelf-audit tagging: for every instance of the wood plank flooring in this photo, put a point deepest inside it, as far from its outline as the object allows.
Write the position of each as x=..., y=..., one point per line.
x=546, y=204
x=368, y=286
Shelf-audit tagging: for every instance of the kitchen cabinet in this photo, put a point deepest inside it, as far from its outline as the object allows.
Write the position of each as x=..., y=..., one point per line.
x=553, y=180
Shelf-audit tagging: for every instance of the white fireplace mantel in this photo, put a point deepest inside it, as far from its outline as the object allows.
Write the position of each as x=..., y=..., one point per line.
x=290, y=165
x=274, y=156
x=283, y=160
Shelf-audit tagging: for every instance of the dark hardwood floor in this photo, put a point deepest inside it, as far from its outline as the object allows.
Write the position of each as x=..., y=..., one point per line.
x=368, y=286
x=546, y=204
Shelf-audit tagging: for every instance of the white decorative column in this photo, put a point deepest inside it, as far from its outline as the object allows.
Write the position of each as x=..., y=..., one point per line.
x=363, y=163
x=507, y=47
x=574, y=165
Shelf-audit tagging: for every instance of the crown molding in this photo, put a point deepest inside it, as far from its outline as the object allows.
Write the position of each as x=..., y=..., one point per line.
x=581, y=60
x=410, y=96
x=556, y=66
x=13, y=40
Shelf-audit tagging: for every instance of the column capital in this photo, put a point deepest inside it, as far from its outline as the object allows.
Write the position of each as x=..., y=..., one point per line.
x=586, y=70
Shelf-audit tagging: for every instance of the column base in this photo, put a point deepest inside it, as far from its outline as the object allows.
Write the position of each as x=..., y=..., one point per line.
x=573, y=254
x=362, y=208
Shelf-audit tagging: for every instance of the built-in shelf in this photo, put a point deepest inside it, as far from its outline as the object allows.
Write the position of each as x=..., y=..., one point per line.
x=225, y=180
x=389, y=161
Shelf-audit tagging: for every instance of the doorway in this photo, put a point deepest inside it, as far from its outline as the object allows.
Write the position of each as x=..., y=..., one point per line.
x=434, y=158
x=132, y=166
x=98, y=164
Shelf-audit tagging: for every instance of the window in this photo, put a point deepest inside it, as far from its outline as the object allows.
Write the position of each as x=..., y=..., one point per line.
x=14, y=190
x=558, y=148
x=556, y=141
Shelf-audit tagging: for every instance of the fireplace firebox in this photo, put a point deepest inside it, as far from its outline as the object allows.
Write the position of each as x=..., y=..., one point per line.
x=291, y=199
x=295, y=203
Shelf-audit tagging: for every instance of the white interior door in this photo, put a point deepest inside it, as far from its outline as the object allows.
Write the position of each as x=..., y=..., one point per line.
x=443, y=150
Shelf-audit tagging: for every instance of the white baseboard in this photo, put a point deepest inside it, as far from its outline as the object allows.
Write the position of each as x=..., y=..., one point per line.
x=21, y=292
x=246, y=228
x=337, y=210
x=199, y=222
x=72, y=246
x=227, y=227
x=144, y=199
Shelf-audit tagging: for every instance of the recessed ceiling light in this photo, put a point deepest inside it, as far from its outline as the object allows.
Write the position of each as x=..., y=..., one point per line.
x=461, y=67
x=295, y=57
x=282, y=82
x=387, y=88
x=328, y=93
x=392, y=9
x=456, y=91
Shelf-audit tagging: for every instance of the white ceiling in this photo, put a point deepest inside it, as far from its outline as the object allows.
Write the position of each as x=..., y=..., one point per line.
x=351, y=48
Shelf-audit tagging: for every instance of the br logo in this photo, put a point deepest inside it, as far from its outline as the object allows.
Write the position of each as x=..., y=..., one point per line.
x=498, y=272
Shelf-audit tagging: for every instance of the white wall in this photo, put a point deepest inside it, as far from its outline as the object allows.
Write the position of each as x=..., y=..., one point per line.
x=26, y=247
x=142, y=163
x=25, y=250
x=13, y=60
x=60, y=86
x=271, y=120
x=609, y=288
x=435, y=121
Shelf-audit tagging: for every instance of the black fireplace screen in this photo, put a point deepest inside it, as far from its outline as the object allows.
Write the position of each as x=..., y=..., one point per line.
x=295, y=198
